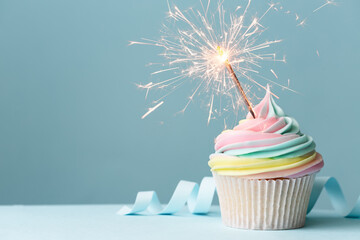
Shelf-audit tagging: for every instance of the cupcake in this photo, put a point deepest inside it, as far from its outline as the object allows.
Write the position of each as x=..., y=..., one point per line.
x=264, y=170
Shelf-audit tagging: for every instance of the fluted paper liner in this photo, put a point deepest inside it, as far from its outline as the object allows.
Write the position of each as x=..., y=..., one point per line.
x=263, y=204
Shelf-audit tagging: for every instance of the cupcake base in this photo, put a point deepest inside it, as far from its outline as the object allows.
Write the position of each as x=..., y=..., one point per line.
x=264, y=204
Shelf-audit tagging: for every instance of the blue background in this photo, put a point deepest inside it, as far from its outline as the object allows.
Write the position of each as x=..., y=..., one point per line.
x=70, y=127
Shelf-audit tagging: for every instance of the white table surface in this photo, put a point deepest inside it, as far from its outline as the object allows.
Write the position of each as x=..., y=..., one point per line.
x=100, y=222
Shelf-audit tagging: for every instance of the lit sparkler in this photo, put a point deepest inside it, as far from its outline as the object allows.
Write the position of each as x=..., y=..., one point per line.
x=204, y=45
x=223, y=58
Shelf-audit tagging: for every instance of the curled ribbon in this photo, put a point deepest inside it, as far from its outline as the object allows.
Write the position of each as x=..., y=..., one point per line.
x=199, y=198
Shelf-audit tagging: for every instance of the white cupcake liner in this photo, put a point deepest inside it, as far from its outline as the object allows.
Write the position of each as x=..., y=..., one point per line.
x=263, y=204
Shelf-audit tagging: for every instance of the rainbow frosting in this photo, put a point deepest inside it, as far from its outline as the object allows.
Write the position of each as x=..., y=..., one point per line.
x=269, y=146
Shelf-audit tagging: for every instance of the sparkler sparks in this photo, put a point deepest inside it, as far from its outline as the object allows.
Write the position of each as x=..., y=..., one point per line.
x=152, y=109
x=328, y=2
x=204, y=46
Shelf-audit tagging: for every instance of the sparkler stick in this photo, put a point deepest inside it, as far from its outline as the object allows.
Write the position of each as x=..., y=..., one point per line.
x=238, y=85
x=223, y=57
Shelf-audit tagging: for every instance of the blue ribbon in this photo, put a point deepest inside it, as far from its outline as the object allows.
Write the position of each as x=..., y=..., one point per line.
x=198, y=198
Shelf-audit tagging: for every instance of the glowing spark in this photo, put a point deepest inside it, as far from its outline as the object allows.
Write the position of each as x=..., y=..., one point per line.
x=317, y=53
x=152, y=109
x=147, y=87
x=328, y=2
x=192, y=54
x=223, y=56
x=273, y=72
x=164, y=70
x=302, y=23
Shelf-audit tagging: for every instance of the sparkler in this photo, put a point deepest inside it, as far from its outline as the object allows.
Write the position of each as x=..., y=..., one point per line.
x=203, y=46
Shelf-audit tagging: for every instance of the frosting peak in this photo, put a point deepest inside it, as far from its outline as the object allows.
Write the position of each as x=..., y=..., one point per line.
x=267, y=108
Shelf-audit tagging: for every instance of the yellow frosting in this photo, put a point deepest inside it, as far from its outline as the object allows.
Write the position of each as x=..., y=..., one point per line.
x=240, y=166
